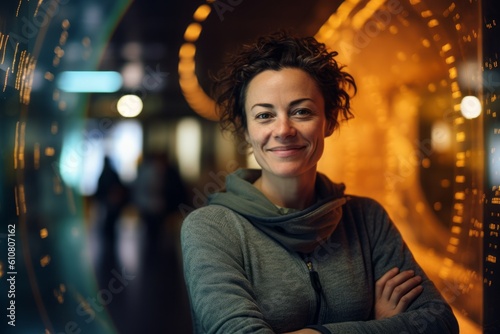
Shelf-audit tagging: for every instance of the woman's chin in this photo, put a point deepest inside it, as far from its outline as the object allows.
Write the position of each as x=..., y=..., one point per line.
x=289, y=171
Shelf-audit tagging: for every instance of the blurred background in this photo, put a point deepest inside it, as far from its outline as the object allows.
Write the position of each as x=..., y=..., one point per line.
x=108, y=139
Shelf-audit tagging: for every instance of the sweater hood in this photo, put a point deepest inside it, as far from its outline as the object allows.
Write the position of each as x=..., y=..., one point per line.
x=297, y=230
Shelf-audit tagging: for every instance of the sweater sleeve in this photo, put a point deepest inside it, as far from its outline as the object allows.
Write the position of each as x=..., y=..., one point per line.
x=429, y=312
x=221, y=297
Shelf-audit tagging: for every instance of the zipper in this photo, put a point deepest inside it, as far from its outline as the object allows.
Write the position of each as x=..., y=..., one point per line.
x=316, y=284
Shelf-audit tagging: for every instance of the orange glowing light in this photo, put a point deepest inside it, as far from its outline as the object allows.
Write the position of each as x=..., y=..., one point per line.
x=193, y=31
x=202, y=13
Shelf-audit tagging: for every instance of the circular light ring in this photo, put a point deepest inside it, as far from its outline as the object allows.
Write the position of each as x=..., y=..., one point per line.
x=194, y=94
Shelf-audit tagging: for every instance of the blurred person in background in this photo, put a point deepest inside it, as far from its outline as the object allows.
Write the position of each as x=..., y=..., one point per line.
x=283, y=249
x=158, y=192
x=112, y=196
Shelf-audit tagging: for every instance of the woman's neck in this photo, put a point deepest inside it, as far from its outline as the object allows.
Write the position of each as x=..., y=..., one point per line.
x=291, y=192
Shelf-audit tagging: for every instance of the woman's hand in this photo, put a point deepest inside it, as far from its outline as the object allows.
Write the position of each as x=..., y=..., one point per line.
x=394, y=291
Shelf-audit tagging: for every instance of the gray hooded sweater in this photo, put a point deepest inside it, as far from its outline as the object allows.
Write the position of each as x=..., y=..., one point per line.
x=251, y=267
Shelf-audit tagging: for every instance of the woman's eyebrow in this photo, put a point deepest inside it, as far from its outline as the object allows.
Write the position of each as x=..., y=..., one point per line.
x=264, y=105
x=291, y=104
x=299, y=101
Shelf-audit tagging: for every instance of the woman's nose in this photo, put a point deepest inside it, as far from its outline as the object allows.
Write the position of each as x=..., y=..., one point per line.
x=284, y=128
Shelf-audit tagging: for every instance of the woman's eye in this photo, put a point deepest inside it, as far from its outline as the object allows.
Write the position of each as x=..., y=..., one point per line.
x=263, y=116
x=302, y=112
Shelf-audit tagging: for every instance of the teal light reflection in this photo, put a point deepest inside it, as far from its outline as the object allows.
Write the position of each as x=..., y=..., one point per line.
x=89, y=81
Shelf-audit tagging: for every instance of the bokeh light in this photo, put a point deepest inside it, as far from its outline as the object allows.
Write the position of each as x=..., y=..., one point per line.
x=129, y=105
x=470, y=107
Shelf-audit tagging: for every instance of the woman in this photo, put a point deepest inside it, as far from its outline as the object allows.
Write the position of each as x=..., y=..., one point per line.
x=283, y=249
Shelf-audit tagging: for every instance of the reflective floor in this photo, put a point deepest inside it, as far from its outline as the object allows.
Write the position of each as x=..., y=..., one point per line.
x=139, y=273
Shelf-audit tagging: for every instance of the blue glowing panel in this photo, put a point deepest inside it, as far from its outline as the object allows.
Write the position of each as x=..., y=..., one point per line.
x=89, y=81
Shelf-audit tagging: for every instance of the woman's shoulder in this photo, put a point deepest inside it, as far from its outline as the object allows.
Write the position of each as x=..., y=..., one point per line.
x=366, y=211
x=214, y=224
x=363, y=202
x=211, y=217
x=210, y=212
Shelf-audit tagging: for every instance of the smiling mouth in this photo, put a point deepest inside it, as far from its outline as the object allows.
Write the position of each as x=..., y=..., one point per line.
x=285, y=151
x=286, y=148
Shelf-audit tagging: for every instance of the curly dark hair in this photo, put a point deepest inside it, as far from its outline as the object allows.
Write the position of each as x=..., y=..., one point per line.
x=277, y=51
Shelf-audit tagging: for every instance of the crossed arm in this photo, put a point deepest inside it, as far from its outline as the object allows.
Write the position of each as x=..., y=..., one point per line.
x=394, y=291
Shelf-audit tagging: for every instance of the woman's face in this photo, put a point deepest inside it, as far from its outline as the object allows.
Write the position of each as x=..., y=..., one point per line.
x=286, y=123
